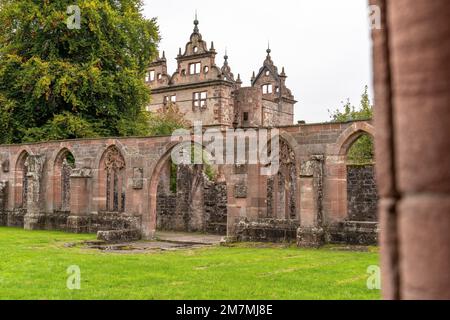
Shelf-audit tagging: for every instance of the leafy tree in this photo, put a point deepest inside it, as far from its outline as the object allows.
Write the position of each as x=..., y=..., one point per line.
x=165, y=122
x=58, y=82
x=362, y=151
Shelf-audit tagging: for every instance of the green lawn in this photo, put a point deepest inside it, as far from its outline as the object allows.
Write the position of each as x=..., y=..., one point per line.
x=33, y=265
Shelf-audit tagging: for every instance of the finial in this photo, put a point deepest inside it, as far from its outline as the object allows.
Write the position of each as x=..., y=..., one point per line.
x=253, y=76
x=238, y=80
x=196, y=23
x=212, y=46
x=164, y=55
x=179, y=51
x=268, y=48
x=283, y=74
x=226, y=56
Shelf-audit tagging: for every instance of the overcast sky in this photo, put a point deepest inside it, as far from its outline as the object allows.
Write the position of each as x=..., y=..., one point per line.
x=323, y=44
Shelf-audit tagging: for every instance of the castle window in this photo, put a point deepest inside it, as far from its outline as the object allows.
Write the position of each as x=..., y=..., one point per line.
x=267, y=89
x=277, y=89
x=267, y=73
x=200, y=99
x=245, y=116
x=205, y=69
x=195, y=49
x=171, y=98
x=159, y=76
x=194, y=68
x=150, y=76
x=183, y=72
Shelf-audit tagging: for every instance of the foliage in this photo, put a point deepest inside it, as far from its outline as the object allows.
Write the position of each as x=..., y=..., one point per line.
x=34, y=266
x=199, y=153
x=362, y=151
x=164, y=122
x=61, y=83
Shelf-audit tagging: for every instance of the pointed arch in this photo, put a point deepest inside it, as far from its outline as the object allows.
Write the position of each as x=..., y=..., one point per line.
x=21, y=180
x=351, y=134
x=112, y=180
x=63, y=165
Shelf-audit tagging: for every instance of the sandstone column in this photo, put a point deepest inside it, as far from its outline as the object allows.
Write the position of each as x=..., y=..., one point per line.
x=311, y=232
x=412, y=118
x=34, y=219
x=3, y=202
x=80, y=189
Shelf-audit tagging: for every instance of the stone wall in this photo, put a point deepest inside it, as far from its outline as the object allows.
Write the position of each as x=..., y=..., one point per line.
x=362, y=193
x=215, y=202
x=3, y=199
x=199, y=204
x=267, y=230
x=353, y=233
x=166, y=211
x=317, y=151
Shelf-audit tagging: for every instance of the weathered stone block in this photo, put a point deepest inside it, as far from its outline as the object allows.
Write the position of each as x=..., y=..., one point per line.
x=138, y=178
x=5, y=166
x=78, y=224
x=267, y=230
x=119, y=235
x=310, y=237
x=240, y=191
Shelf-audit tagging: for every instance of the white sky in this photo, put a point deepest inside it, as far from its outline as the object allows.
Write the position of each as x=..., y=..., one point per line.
x=323, y=44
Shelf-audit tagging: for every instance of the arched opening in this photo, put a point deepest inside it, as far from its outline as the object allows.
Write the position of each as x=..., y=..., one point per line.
x=64, y=164
x=187, y=197
x=21, y=181
x=362, y=194
x=337, y=170
x=111, y=180
x=282, y=188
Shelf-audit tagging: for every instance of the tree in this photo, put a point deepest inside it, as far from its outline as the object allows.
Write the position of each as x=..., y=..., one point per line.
x=362, y=151
x=58, y=82
x=164, y=122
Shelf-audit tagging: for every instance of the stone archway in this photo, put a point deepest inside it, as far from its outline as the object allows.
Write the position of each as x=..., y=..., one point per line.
x=21, y=181
x=149, y=220
x=283, y=188
x=62, y=169
x=338, y=168
x=195, y=197
x=112, y=180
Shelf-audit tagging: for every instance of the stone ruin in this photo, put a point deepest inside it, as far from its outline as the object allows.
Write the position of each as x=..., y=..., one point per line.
x=127, y=188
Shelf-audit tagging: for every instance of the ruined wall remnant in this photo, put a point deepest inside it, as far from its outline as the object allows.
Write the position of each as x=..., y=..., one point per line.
x=198, y=205
x=3, y=200
x=114, y=187
x=362, y=193
x=34, y=195
x=215, y=198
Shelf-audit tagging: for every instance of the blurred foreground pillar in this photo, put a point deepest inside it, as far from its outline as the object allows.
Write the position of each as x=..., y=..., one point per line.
x=412, y=119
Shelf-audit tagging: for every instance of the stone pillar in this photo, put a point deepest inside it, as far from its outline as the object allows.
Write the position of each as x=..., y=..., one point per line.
x=412, y=117
x=311, y=232
x=3, y=202
x=80, y=189
x=34, y=218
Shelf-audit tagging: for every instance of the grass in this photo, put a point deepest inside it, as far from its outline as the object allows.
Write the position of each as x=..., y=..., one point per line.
x=33, y=265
